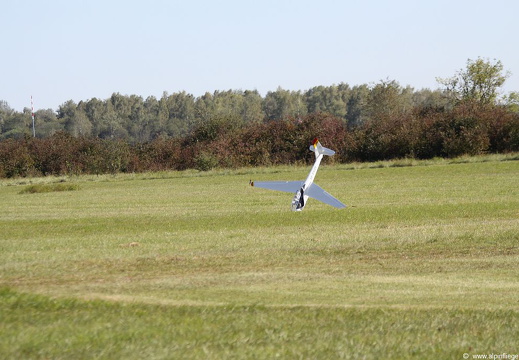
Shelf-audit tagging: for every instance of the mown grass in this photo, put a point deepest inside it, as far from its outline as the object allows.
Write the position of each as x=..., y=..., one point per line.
x=423, y=264
x=68, y=328
x=44, y=188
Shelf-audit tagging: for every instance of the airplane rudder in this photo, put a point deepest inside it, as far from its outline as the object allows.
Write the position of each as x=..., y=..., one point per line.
x=328, y=152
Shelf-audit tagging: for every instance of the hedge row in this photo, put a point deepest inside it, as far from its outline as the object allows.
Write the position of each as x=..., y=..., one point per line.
x=220, y=142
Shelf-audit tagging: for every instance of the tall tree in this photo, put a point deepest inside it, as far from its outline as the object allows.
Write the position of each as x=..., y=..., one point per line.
x=387, y=99
x=138, y=125
x=357, y=105
x=5, y=113
x=152, y=108
x=512, y=101
x=16, y=124
x=228, y=103
x=74, y=118
x=429, y=99
x=181, y=110
x=282, y=103
x=330, y=99
x=204, y=107
x=162, y=115
x=117, y=116
x=251, y=111
x=47, y=123
x=95, y=111
x=479, y=82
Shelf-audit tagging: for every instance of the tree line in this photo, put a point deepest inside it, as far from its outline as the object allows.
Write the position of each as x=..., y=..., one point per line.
x=242, y=128
x=468, y=128
x=132, y=118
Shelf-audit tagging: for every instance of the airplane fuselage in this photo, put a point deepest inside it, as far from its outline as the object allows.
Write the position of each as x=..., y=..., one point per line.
x=305, y=189
x=299, y=200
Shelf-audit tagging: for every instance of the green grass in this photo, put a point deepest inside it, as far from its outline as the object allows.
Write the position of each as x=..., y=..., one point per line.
x=64, y=328
x=423, y=264
x=43, y=188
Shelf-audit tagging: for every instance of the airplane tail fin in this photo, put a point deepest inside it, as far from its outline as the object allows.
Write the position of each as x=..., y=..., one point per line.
x=318, y=149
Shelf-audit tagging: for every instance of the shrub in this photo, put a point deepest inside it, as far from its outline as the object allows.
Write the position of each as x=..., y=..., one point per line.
x=15, y=159
x=504, y=131
x=44, y=188
x=205, y=161
x=467, y=128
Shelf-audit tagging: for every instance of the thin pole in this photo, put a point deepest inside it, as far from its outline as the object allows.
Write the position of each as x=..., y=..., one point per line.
x=33, y=129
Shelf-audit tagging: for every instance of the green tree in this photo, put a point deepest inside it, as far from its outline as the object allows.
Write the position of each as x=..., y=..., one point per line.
x=388, y=99
x=330, y=99
x=204, y=108
x=251, y=111
x=74, y=118
x=138, y=126
x=116, y=118
x=357, y=105
x=4, y=106
x=152, y=108
x=66, y=110
x=426, y=99
x=228, y=103
x=162, y=115
x=47, y=123
x=16, y=124
x=78, y=124
x=479, y=82
x=181, y=114
x=95, y=111
x=512, y=101
x=5, y=113
x=282, y=103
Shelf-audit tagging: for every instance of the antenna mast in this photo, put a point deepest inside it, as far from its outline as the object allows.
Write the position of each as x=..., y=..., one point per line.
x=33, y=129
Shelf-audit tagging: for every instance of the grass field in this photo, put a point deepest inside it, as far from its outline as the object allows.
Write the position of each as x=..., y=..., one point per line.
x=424, y=263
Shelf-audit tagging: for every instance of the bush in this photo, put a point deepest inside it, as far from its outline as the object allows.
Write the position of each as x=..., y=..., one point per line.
x=223, y=142
x=15, y=159
x=504, y=132
x=44, y=188
x=206, y=161
x=389, y=138
x=464, y=131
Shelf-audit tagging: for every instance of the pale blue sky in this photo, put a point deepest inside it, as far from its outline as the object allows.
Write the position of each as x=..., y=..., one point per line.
x=59, y=50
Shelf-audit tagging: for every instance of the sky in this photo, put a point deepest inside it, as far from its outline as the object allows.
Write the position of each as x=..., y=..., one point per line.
x=60, y=50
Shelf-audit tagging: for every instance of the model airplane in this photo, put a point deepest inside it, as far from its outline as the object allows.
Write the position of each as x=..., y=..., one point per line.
x=305, y=189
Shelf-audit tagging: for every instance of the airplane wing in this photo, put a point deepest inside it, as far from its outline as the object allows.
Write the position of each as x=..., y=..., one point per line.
x=316, y=192
x=286, y=186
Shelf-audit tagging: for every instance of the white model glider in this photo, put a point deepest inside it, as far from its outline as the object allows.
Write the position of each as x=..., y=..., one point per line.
x=305, y=189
